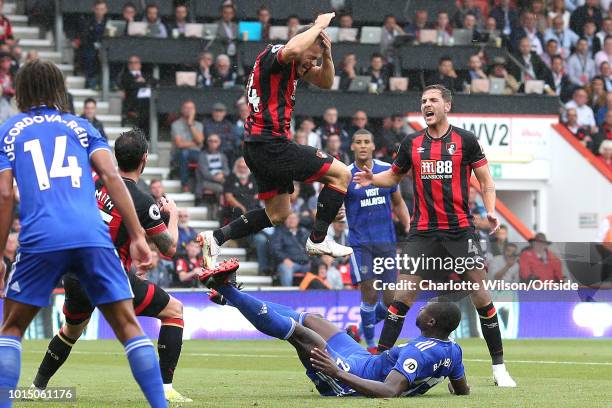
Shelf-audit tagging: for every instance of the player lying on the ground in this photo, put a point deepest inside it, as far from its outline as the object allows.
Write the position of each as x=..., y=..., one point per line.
x=337, y=365
x=276, y=161
x=149, y=299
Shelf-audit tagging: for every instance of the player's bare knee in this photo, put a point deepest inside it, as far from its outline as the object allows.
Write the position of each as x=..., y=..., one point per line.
x=403, y=296
x=279, y=217
x=173, y=310
x=74, y=331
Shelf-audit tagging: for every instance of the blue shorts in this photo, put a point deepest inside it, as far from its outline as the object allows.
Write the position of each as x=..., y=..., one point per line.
x=35, y=275
x=363, y=267
x=349, y=356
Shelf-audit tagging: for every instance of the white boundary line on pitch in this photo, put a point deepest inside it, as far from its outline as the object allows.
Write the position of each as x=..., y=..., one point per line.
x=471, y=360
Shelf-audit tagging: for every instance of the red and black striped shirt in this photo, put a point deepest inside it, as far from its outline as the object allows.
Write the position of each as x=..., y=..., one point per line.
x=442, y=168
x=271, y=96
x=147, y=210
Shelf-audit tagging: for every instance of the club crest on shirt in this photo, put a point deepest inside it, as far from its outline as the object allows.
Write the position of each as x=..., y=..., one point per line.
x=451, y=147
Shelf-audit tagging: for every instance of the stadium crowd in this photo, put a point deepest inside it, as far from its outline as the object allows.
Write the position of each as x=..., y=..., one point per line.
x=566, y=44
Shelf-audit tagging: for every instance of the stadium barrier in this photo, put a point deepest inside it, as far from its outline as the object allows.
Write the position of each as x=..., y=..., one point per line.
x=535, y=314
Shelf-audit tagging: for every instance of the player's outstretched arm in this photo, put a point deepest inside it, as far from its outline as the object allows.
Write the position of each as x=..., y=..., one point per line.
x=298, y=44
x=386, y=179
x=487, y=187
x=395, y=383
x=7, y=200
x=103, y=165
x=459, y=387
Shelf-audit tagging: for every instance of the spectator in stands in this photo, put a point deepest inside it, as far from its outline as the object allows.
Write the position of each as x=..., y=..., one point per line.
x=322, y=278
x=585, y=113
x=220, y=125
x=601, y=113
x=161, y=272
x=263, y=16
x=579, y=16
x=189, y=265
x=223, y=75
x=532, y=67
x=446, y=75
x=156, y=188
x=475, y=70
x=499, y=241
x=88, y=42
x=566, y=38
x=605, y=55
x=212, y=170
x=590, y=30
x=605, y=130
x=558, y=9
x=582, y=133
x=606, y=29
x=551, y=49
x=444, y=28
x=580, y=67
x=7, y=86
x=32, y=55
x=348, y=71
x=155, y=27
x=243, y=115
x=559, y=83
x=390, y=30
x=227, y=29
x=345, y=20
x=6, y=28
x=204, y=73
x=177, y=26
x=528, y=29
x=128, y=13
x=470, y=23
x=597, y=94
x=419, y=23
x=331, y=126
x=89, y=113
x=360, y=121
x=605, y=151
x=504, y=266
x=187, y=139
x=333, y=147
x=606, y=74
x=133, y=83
x=377, y=71
x=312, y=138
x=240, y=196
x=185, y=232
x=287, y=244
x=475, y=202
x=506, y=17
x=391, y=138
x=338, y=231
x=538, y=262
x=468, y=7
x=293, y=24
x=538, y=9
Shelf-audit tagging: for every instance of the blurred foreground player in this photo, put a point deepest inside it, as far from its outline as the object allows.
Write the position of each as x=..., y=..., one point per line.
x=372, y=235
x=49, y=152
x=273, y=158
x=340, y=367
x=149, y=299
x=442, y=158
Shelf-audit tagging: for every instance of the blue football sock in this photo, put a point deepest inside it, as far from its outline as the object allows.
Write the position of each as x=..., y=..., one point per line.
x=368, y=321
x=264, y=318
x=10, y=366
x=145, y=369
x=283, y=310
x=381, y=311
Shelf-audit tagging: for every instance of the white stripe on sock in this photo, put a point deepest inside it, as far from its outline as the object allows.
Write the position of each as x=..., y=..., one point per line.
x=137, y=344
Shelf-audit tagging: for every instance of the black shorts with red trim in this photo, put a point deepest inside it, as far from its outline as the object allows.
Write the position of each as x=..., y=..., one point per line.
x=438, y=255
x=149, y=299
x=276, y=165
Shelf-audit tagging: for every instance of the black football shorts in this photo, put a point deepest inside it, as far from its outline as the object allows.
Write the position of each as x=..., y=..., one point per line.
x=276, y=165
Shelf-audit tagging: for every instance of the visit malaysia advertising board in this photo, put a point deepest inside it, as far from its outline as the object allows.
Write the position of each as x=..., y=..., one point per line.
x=517, y=146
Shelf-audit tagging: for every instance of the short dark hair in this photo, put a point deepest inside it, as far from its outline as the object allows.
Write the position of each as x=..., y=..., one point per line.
x=552, y=40
x=128, y=5
x=362, y=132
x=90, y=100
x=40, y=83
x=376, y=55
x=554, y=57
x=447, y=95
x=444, y=58
x=130, y=147
x=150, y=6
x=447, y=315
x=100, y=2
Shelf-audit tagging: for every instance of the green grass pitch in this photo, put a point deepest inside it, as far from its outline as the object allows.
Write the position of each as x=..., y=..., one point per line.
x=550, y=373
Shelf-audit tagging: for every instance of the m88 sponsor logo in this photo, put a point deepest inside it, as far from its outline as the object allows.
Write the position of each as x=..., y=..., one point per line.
x=436, y=169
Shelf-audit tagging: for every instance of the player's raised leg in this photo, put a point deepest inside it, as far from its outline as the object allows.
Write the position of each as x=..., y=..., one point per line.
x=489, y=324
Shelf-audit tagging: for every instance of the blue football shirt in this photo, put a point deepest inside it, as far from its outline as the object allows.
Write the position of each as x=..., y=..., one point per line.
x=49, y=154
x=368, y=210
